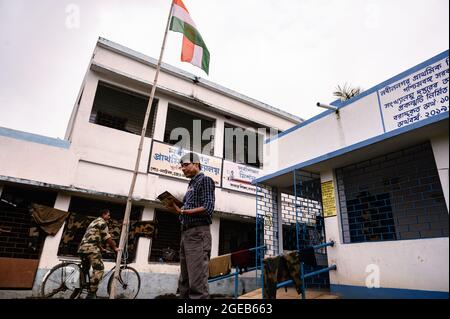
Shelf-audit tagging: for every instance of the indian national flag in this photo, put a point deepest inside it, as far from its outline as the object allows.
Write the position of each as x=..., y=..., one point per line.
x=194, y=49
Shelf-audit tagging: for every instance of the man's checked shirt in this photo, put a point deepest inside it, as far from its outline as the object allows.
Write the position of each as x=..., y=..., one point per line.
x=200, y=193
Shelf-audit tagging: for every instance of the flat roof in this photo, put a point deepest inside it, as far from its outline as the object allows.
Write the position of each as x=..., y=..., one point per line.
x=34, y=138
x=417, y=132
x=280, y=175
x=340, y=104
x=145, y=59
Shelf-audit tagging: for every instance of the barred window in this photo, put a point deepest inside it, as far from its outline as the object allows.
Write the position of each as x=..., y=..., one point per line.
x=82, y=212
x=166, y=246
x=19, y=237
x=122, y=110
x=243, y=146
x=394, y=197
x=112, y=121
x=189, y=130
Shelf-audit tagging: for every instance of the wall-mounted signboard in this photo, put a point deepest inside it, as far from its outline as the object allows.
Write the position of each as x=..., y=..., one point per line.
x=239, y=177
x=328, y=199
x=165, y=160
x=418, y=96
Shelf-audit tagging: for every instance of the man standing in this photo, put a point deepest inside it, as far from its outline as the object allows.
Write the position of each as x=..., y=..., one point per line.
x=195, y=216
x=90, y=249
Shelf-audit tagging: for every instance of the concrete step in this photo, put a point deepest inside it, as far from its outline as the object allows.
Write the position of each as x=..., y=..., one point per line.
x=328, y=296
x=291, y=293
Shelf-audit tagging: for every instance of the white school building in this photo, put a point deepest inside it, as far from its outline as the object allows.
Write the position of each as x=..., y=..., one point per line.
x=371, y=176
x=380, y=162
x=91, y=168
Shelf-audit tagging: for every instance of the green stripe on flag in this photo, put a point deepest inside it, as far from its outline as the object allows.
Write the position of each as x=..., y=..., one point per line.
x=194, y=36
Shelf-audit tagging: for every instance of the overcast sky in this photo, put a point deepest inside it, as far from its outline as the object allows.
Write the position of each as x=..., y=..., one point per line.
x=287, y=53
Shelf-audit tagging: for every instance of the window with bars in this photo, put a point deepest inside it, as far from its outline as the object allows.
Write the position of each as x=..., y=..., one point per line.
x=82, y=212
x=111, y=121
x=166, y=246
x=17, y=239
x=189, y=130
x=243, y=146
x=393, y=197
x=122, y=109
x=236, y=235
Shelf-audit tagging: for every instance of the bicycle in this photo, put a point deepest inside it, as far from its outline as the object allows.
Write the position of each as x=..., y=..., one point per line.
x=68, y=280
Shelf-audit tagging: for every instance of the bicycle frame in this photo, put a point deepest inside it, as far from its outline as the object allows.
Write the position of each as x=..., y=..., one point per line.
x=104, y=277
x=78, y=279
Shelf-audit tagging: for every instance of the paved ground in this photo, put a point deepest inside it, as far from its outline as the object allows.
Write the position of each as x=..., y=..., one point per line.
x=291, y=293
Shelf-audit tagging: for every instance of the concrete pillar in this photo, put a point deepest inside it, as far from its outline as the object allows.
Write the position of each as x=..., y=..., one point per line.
x=333, y=229
x=440, y=151
x=161, y=118
x=49, y=255
x=215, y=234
x=219, y=136
x=144, y=244
x=279, y=217
x=81, y=118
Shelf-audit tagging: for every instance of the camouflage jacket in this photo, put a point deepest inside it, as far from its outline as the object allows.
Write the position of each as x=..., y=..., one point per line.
x=96, y=233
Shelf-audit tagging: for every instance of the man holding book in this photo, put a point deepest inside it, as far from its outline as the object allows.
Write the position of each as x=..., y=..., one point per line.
x=195, y=217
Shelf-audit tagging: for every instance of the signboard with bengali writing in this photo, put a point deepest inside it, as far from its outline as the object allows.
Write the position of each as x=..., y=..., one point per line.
x=165, y=160
x=239, y=177
x=328, y=199
x=421, y=95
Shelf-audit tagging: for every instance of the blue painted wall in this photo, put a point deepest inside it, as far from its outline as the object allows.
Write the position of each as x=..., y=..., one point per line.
x=358, y=292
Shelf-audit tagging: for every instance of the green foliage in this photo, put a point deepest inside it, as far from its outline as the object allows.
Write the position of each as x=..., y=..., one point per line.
x=346, y=92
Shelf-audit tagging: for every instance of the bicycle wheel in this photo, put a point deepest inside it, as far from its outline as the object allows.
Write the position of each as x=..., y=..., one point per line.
x=128, y=285
x=64, y=281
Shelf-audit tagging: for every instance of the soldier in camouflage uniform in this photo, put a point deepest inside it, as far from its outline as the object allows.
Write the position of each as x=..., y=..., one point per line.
x=91, y=246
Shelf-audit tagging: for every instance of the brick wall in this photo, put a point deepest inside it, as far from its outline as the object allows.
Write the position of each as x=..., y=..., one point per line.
x=306, y=210
x=267, y=211
x=393, y=197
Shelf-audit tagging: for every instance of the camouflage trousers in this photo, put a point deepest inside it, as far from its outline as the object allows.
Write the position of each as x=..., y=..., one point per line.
x=278, y=269
x=94, y=260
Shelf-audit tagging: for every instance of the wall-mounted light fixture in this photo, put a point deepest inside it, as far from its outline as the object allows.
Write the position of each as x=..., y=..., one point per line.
x=329, y=107
x=326, y=106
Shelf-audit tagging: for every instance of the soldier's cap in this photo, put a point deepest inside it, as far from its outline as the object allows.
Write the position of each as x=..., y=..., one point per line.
x=190, y=158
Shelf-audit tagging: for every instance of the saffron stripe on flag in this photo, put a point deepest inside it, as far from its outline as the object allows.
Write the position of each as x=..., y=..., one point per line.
x=187, y=51
x=180, y=4
x=192, y=53
x=194, y=49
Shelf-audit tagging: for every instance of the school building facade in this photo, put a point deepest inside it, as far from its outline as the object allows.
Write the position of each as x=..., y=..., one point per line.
x=380, y=164
x=91, y=168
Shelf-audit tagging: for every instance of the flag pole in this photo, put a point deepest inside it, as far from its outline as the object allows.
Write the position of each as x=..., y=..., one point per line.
x=126, y=220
